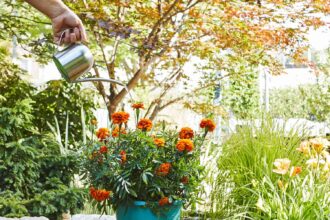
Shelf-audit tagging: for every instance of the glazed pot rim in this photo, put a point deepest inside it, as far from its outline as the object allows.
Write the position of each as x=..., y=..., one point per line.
x=144, y=203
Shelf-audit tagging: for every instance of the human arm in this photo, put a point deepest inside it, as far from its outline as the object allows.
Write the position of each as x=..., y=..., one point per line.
x=63, y=19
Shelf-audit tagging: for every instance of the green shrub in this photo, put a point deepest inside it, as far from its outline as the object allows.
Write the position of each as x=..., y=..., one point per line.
x=35, y=176
x=63, y=99
x=58, y=99
x=309, y=101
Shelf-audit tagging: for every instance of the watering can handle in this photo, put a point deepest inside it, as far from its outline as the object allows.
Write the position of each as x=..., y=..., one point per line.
x=61, y=38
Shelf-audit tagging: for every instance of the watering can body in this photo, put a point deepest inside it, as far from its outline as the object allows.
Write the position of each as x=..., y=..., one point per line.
x=76, y=60
x=73, y=61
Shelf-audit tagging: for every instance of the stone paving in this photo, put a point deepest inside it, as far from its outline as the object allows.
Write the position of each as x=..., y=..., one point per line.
x=25, y=218
x=92, y=217
x=74, y=217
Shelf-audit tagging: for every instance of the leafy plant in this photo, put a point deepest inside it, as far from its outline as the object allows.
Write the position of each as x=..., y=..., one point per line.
x=301, y=189
x=241, y=95
x=135, y=165
x=35, y=178
x=246, y=159
x=309, y=101
x=58, y=99
x=64, y=101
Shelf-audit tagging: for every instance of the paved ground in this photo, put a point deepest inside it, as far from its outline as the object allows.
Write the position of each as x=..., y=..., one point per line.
x=24, y=218
x=92, y=217
x=74, y=217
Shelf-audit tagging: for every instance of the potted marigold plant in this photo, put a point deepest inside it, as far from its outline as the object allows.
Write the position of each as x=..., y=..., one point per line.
x=142, y=173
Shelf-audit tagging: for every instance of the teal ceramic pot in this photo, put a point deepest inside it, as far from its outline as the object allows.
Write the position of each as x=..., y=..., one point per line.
x=138, y=210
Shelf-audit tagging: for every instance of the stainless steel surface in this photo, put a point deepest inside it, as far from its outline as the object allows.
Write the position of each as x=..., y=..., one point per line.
x=74, y=61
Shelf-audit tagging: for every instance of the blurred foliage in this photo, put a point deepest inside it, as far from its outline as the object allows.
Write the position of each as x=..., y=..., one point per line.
x=34, y=177
x=56, y=99
x=308, y=101
x=241, y=94
x=63, y=99
x=31, y=32
x=151, y=41
x=234, y=92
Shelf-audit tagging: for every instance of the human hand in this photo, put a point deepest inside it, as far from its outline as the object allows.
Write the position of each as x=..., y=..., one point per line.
x=69, y=23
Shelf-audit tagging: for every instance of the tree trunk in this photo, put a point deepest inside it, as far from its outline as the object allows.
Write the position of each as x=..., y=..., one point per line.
x=112, y=109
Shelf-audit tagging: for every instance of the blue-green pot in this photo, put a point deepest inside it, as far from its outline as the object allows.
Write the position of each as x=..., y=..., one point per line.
x=138, y=210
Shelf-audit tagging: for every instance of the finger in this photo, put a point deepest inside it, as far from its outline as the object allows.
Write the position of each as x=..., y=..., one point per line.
x=56, y=39
x=82, y=33
x=77, y=33
x=66, y=38
x=73, y=37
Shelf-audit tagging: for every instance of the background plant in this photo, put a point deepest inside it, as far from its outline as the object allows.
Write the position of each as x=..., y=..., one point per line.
x=58, y=99
x=65, y=101
x=246, y=160
x=35, y=177
x=309, y=101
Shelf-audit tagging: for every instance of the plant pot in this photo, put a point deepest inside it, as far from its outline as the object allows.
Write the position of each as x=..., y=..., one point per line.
x=138, y=210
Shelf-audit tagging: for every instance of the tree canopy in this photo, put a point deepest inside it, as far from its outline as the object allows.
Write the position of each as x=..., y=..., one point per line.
x=150, y=43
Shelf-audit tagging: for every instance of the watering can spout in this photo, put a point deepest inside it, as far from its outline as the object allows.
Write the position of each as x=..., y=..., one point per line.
x=99, y=80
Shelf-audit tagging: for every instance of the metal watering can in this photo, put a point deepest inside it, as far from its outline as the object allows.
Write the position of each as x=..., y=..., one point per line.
x=74, y=61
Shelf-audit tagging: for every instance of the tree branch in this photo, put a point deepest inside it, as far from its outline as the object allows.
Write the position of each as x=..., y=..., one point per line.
x=110, y=67
x=133, y=81
x=100, y=86
x=189, y=94
x=159, y=22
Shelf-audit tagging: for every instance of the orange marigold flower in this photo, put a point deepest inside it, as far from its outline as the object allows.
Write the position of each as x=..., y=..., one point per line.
x=115, y=132
x=103, y=133
x=123, y=156
x=94, y=121
x=159, y=142
x=184, y=180
x=103, y=149
x=164, y=201
x=163, y=169
x=295, y=171
x=185, y=144
x=99, y=194
x=208, y=124
x=138, y=105
x=145, y=124
x=119, y=117
x=186, y=133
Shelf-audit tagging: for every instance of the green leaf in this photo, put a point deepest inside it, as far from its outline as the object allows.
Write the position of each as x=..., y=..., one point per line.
x=145, y=178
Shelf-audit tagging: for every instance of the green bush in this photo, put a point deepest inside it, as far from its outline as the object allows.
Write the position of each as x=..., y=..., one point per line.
x=63, y=99
x=58, y=99
x=308, y=101
x=35, y=176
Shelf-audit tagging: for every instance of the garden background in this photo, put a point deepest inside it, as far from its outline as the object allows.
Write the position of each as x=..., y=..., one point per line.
x=258, y=68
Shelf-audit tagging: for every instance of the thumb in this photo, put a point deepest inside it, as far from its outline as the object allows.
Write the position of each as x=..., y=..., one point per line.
x=82, y=32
